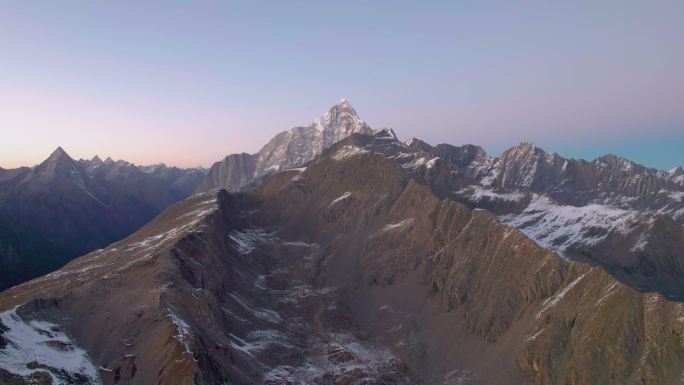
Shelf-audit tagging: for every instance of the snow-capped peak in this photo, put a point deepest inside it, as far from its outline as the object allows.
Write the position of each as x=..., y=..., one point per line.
x=339, y=122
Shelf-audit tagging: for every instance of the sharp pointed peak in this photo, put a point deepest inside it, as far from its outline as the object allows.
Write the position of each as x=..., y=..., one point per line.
x=417, y=143
x=58, y=153
x=57, y=162
x=524, y=147
x=385, y=132
x=343, y=104
x=342, y=110
x=526, y=144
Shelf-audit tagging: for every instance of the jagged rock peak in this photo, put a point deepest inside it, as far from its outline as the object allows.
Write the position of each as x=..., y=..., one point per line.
x=617, y=162
x=59, y=167
x=340, y=121
x=59, y=153
x=524, y=148
x=58, y=160
x=385, y=133
x=91, y=164
x=415, y=142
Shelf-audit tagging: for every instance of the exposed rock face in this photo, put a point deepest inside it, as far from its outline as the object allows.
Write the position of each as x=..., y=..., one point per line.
x=288, y=149
x=63, y=208
x=350, y=270
x=610, y=212
x=233, y=172
x=608, y=180
x=678, y=172
x=637, y=245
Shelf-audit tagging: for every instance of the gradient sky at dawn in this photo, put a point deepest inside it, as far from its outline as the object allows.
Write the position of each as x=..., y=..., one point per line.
x=187, y=83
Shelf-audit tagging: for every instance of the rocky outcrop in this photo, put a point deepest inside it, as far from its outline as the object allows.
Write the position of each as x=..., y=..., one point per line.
x=233, y=172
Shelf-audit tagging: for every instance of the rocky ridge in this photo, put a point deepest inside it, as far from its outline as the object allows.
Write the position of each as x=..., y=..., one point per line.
x=639, y=246
x=349, y=270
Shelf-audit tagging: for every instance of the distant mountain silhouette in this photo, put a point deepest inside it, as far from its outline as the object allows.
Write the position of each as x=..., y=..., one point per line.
x=67, y=208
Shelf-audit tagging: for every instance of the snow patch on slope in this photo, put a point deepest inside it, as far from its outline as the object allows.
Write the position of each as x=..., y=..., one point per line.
x=551, y=301
x=247, y=239
x=422, y=161
x=348, y=152
x=557, y=227
x=258, y=341
x=395, y=226
x=41, y=342
x=478, y=194
x=183, y=330
x=340, y=198
x=674, y=195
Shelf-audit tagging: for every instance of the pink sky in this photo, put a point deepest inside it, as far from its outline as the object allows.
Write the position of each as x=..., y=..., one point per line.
x=188, y=84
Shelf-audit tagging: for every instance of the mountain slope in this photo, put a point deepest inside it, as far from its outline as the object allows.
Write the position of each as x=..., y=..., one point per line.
x=288, y=149
x=349, y=270
x=24, y=254
x=640, y=247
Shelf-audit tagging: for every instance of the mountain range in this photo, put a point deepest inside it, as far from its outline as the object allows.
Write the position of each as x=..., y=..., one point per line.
x=339, y=254
x=63, y=208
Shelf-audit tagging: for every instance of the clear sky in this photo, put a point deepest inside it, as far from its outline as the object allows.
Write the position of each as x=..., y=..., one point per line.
x=188, y=82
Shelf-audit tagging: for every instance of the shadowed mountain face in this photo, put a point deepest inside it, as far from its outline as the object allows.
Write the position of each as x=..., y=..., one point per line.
x=287, y=150
x=63, y=208
x=352, y=270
